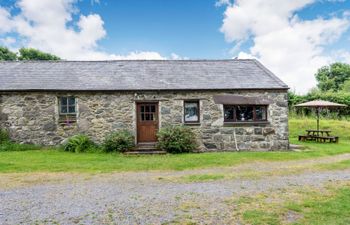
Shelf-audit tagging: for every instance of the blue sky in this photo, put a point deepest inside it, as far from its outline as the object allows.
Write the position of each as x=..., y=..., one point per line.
x=188, y=28
x=291, y=37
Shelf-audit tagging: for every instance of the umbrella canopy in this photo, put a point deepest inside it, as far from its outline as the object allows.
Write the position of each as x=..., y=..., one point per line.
x=319, y=104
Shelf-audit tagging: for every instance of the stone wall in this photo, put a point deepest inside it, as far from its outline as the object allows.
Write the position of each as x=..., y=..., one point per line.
x=32, y=117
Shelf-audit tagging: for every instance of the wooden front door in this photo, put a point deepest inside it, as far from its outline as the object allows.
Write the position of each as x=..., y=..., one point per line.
x=147, y=122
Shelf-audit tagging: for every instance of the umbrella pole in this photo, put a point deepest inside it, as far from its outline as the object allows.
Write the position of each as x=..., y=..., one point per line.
x=318, y=118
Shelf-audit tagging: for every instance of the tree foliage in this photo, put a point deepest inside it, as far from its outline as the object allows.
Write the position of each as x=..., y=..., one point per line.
x=333, y=85
x=346, y=86
x=6, y=54
x=25, y=54
x=332, y=77
x=340, y=97
x=34, y=54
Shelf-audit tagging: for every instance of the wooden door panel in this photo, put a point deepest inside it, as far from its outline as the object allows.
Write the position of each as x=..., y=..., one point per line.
x=147, y=122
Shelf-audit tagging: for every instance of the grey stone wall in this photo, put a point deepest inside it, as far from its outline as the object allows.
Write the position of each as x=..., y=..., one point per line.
x=32, y=117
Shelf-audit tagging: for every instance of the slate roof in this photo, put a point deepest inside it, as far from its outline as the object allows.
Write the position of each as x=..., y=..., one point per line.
x=137, y=75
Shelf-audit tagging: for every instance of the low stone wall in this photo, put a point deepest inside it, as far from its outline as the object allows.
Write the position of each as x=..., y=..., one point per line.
x=32, y=117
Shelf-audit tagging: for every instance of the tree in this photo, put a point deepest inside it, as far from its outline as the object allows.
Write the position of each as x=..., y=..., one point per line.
x=6, y=54
x=332, y=77
x=33, y=54
x=25, y=54
x=346, y=86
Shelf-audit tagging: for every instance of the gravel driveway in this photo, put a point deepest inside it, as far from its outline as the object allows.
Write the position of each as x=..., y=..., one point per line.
x=144, y=198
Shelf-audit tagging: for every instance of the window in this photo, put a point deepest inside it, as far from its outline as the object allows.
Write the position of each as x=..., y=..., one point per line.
x=191, y=111
x=67, y=105
x=241, y=113
x=148, y=113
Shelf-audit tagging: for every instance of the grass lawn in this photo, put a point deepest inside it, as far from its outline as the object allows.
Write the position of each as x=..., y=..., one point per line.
x=58, y=161
x=339, y=128
x=323, y=206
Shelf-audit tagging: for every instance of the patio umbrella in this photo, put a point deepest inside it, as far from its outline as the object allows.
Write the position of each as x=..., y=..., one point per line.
x=318, y=105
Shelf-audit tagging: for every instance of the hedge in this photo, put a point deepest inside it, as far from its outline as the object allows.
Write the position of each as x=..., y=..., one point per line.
x=338, y=97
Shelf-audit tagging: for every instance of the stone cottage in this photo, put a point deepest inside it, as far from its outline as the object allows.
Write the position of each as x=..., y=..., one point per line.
x=230, y=104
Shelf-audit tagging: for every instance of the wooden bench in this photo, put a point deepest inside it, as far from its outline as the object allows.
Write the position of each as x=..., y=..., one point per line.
x=331, y=139
x=304, y=137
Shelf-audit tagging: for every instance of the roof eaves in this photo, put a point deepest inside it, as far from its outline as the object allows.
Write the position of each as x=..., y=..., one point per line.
x=122, y=90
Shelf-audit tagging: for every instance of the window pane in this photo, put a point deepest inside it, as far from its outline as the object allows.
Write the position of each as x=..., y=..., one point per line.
x=142, y=108
x=147, y=108
x=147, y=117
x=71, y=101
x=71, y=109
x=260, y=113
x=244, y=113
x=154, y=116
x=142, y=116
x=63, y=101
x=64, y=109
x=151, y=116
x=191, y=112
x=153, y=108
x=228, y=114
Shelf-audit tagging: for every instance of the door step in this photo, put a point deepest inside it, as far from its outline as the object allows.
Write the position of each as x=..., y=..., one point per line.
x=145, y=148
x=134, y=152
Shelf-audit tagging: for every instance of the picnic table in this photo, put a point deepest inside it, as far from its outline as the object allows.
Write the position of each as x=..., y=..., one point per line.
x=319, y=136
x=318, y=132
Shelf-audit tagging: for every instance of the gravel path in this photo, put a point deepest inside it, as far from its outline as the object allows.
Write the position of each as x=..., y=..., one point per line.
x=143, y=198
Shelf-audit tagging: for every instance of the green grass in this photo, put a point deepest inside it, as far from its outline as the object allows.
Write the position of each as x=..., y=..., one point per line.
x=335, y=210
x=345, y=164
x=339, y=128
x=258, y=217
x=202, y=177
x=306, y=205
x=59, y=161
x=10, y=146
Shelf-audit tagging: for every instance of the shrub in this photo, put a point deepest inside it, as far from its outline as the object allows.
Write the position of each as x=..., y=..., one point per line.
x=176, y=139
x=7, y=145
x=10, y=146
x=4, y=136
x=120, y=141
x=79, y=143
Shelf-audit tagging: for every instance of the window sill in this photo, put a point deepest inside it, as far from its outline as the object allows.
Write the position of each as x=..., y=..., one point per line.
x=247, y=123
x=192, y=124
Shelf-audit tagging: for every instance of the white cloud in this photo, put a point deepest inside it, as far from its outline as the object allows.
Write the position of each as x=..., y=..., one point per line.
x=139, y=55
x=341, y=55
x=5, y=21
x=290, y=47
x=222, y=3
x=177, y=57
x=244, y=55
x=49, y=26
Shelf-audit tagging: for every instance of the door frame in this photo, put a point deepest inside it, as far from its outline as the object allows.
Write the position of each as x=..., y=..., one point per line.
x=137, y=103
